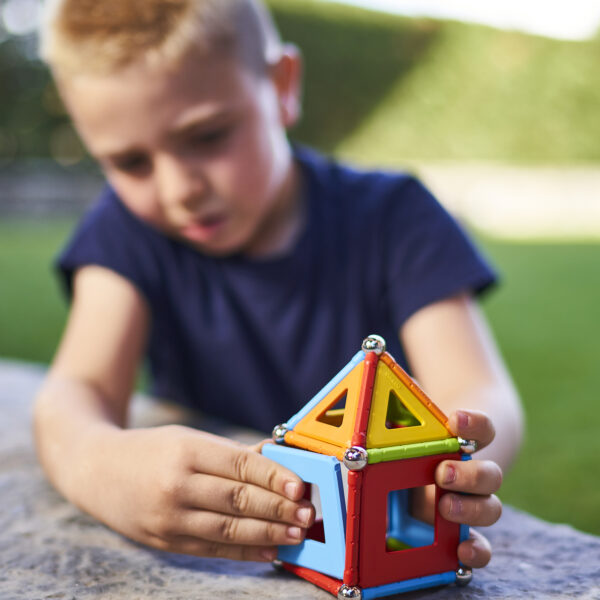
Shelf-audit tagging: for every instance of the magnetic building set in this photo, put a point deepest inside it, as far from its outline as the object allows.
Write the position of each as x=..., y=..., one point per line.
x=376, y=421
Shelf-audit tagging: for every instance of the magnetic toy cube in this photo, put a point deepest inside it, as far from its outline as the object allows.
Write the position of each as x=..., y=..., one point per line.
x=365, y=441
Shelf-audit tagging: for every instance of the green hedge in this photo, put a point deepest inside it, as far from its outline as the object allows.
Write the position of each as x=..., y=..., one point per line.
x=382, y=88
x=386, y=89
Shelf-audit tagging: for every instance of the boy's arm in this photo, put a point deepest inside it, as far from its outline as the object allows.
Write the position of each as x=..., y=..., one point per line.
x=171, y=487
x=454, y=358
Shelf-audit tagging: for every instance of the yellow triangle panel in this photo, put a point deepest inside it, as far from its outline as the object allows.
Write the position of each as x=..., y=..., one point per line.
x=331, y=425
x=398, y=416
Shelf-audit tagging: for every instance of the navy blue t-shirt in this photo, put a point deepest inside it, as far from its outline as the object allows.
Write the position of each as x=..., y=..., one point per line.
x=252, y=340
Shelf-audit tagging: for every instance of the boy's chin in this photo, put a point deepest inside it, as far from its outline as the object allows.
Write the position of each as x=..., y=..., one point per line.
x=210, y=250
x=196, y=239
x=223, y=246
x=215, y=250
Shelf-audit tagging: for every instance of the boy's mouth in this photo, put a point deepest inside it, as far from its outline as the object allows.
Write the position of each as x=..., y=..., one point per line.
x=204, y=229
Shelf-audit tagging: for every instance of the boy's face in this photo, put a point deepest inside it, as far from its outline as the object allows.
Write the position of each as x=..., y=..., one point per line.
x=200, y=153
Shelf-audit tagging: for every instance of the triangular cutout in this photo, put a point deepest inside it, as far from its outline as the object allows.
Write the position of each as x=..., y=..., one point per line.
x=334, y=415
x=389, y=384
x=323, y=422
x=398, y=415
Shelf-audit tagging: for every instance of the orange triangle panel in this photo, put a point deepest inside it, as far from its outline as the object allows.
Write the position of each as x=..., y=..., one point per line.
x=401, y=413
x=335, y=425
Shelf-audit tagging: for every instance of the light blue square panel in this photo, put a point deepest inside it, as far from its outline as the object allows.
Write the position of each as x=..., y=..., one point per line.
x=324, y=471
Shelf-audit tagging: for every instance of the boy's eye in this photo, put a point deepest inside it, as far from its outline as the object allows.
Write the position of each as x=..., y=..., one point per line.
x=134, y=164
x=210, y=138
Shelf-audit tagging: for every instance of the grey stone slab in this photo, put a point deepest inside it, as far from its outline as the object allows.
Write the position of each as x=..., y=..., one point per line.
x=49, y=549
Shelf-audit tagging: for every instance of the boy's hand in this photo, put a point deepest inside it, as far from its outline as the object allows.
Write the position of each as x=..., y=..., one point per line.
x=477, y=478
x=187, y=491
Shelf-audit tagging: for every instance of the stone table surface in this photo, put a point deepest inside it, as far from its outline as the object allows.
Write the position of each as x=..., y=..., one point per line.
x=49, y=549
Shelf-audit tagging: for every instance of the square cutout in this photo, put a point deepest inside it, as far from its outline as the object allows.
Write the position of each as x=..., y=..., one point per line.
x=404, y=531
x=316, y=531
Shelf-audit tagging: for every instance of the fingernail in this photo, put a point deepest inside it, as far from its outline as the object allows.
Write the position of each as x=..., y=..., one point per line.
x=470, y=553
x=270, y=554
x=455, y=506
x=294, y=532
x=291, y=489
x=303, y=515
x=449, y=474
x=463, y=419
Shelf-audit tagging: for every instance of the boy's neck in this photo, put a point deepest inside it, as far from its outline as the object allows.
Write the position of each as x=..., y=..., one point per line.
x=280, y=232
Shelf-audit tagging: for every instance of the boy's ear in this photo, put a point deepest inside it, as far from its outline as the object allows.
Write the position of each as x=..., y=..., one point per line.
x=287, y=77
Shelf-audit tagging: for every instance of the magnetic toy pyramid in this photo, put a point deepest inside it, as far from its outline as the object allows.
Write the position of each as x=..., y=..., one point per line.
x=374, y=419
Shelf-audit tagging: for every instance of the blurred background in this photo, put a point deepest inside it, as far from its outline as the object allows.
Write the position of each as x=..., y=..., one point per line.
x=502, y=121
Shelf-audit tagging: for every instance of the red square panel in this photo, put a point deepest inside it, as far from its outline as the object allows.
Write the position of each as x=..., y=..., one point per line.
x=378, y=566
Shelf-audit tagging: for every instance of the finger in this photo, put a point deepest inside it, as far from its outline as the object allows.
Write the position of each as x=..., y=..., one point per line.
x=475, y=552
x=240, y=463
x=259, y=445
x=470, y=510
x=192, y=545
x=243, y=499
x=471, y=476
x=228, y=529
x=472, y=425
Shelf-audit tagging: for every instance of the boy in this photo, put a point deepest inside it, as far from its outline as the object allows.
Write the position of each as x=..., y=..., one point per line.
x=219, y=247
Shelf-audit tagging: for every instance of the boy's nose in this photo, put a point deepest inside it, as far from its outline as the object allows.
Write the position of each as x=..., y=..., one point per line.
x=180, y=183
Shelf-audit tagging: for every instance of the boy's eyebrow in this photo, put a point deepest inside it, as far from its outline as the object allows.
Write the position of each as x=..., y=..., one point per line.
x=201, y=118
x=116, y=155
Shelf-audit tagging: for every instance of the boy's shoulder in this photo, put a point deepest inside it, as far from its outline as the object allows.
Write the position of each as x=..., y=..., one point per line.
x=335, y=172
x=108, y=213
x=361, y=192
x=109, y=235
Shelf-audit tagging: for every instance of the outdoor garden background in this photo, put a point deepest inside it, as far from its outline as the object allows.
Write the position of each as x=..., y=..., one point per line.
x=504, y=126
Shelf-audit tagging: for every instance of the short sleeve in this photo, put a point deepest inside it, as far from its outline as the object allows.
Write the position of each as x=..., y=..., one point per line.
x=428, y=256
x=111, y=237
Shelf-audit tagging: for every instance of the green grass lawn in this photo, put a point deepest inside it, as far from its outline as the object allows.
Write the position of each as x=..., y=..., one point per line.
x=32, y=309
x=545, y=316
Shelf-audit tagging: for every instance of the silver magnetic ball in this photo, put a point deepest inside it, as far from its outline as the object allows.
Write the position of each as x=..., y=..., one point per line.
x=467, y=446
x=347, y=591
x=279, y=432
x=277, y=564
x=356, y=458
x=463, y=576
x=374, y=343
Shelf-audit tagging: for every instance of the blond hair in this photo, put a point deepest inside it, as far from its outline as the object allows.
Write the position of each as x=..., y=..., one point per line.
x=103, y=36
